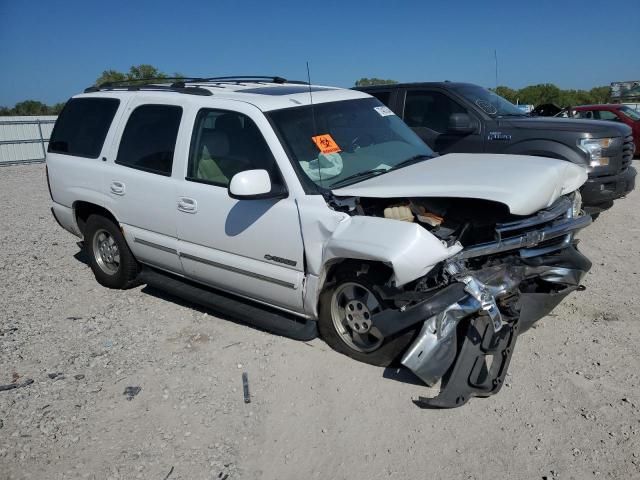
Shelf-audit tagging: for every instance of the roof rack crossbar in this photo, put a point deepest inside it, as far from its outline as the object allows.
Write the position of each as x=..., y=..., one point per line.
x=158, y=88
x=241, y=78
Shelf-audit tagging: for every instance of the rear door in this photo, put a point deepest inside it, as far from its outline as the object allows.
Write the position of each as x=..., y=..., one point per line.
x=139, y=183
x=427, y=112
x=251, y=248
x=80, y=138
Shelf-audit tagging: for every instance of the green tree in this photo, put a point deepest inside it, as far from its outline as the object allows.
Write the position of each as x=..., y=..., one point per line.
x=140, y=72
x=56, y=109
x=109, y=76
x=364, y=82
x=4, y=111
x=506, y=92
x=539, y=94
x=600, y=94
x=30, y=107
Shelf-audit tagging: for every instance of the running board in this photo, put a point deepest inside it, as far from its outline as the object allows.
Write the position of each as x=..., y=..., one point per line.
x=265, y=318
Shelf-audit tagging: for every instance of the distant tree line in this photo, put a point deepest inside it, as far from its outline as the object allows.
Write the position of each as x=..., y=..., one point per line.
x=549, y=93
x=135, y=73
x=31, y=107
x=365, y=82
x=531, y=95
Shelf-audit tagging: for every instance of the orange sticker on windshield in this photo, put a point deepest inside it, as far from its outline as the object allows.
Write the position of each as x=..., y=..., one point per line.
x=326, y=144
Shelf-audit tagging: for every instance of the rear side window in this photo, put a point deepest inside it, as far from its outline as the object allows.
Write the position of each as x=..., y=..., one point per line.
x=384, y=97
x=149, y=139
x=82, y=126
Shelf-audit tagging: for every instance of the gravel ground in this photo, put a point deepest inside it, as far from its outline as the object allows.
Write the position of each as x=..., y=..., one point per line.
x=570, y=408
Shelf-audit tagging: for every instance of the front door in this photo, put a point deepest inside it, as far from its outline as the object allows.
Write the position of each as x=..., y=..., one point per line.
x=428, y=112
x=248, y=247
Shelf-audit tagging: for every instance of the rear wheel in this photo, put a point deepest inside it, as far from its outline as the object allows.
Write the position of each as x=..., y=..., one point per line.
x=110, y=259
x=346, y=324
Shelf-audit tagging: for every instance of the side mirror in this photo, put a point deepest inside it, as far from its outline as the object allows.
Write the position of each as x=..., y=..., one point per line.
x=461, y=124
x=253, y=184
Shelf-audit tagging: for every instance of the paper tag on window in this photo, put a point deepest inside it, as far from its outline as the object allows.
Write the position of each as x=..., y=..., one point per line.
x=326, y=143
x=383, y=111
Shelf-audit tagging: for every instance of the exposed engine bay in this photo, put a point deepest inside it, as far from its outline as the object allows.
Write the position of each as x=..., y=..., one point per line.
x=510, y=272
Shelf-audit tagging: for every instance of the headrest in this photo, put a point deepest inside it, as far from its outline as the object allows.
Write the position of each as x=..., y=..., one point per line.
x=217, y=142
x=229, y=122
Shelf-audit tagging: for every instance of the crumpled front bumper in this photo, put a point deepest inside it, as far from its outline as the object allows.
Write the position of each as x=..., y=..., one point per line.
x=468, y=343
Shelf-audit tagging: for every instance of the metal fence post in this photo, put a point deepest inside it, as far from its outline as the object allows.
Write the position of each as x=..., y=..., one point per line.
x=44, y=151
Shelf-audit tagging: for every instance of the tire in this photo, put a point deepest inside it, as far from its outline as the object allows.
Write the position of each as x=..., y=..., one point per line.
x=110, y=259
x=384, y=354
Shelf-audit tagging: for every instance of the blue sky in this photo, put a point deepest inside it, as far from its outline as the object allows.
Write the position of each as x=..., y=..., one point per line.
x=52, y=49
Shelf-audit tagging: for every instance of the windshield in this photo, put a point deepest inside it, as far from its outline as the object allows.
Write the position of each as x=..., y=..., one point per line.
x=631, y=113
x=345, y=142
x=490, y=103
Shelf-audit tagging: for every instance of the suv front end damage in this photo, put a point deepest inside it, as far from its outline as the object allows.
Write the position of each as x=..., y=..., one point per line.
x=485, y=296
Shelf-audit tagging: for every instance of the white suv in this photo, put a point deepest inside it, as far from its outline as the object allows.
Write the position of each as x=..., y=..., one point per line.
x=320, y=204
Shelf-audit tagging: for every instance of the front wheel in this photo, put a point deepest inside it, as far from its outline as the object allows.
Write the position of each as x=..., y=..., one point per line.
x=112, y=262
x=345, y=323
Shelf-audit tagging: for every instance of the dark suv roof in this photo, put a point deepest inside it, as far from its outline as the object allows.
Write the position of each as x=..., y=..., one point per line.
x=445, y=84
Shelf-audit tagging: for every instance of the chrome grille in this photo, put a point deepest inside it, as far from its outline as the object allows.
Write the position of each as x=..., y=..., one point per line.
x=627, y=152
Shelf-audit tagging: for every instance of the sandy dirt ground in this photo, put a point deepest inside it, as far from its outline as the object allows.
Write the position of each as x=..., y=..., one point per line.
x=570, y=408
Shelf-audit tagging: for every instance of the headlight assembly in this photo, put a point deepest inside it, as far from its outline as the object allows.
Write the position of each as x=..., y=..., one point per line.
x=594, y=148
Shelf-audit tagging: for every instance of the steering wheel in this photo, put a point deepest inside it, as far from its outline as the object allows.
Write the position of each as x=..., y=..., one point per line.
x=360, y=141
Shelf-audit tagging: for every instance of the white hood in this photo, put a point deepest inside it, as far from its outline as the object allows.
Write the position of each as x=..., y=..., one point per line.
x=525, y=184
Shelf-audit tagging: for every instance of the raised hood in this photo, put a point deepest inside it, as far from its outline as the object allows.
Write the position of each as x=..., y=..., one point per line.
x=525, y=184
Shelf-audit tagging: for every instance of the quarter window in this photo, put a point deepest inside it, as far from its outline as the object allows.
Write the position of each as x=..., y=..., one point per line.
x=225, y=143
x=430, y=109
x=149, y=139
x=82, y=126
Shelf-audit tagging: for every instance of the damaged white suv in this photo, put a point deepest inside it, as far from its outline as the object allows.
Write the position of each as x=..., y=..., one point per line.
x=306, y=208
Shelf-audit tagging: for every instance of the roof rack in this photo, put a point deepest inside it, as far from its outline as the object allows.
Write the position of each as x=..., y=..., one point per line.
x=179, y=84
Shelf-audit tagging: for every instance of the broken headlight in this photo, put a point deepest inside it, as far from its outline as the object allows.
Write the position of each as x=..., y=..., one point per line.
x=594, y=148
x=576, y=204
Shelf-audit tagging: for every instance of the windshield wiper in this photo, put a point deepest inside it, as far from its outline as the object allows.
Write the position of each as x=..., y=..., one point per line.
x=411, y=161
x=364, y=175
x=513, y=115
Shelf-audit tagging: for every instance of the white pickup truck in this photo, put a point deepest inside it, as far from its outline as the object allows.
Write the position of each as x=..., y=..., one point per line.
x=306, y=209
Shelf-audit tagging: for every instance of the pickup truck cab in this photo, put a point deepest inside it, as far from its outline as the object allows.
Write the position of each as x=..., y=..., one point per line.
x=462, y=117
x=304, y=209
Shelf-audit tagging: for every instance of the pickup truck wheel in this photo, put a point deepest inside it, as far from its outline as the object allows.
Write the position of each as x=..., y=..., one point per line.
x=345, y=312
x=110, y=259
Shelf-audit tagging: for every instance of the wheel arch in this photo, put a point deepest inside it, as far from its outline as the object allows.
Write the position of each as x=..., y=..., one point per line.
x=83, y=209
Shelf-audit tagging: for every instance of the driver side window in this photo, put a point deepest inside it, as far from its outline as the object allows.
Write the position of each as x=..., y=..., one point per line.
x=430, y=109
x=225, y=143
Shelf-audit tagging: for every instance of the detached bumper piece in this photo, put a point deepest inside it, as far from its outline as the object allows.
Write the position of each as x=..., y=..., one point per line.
x=468, y=343
x=472, y=375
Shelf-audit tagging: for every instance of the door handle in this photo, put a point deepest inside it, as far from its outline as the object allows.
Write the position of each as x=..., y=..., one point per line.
x=117, y=188
x=187, y=205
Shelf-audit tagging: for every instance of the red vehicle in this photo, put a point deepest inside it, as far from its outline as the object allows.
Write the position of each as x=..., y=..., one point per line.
x=612, y=112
